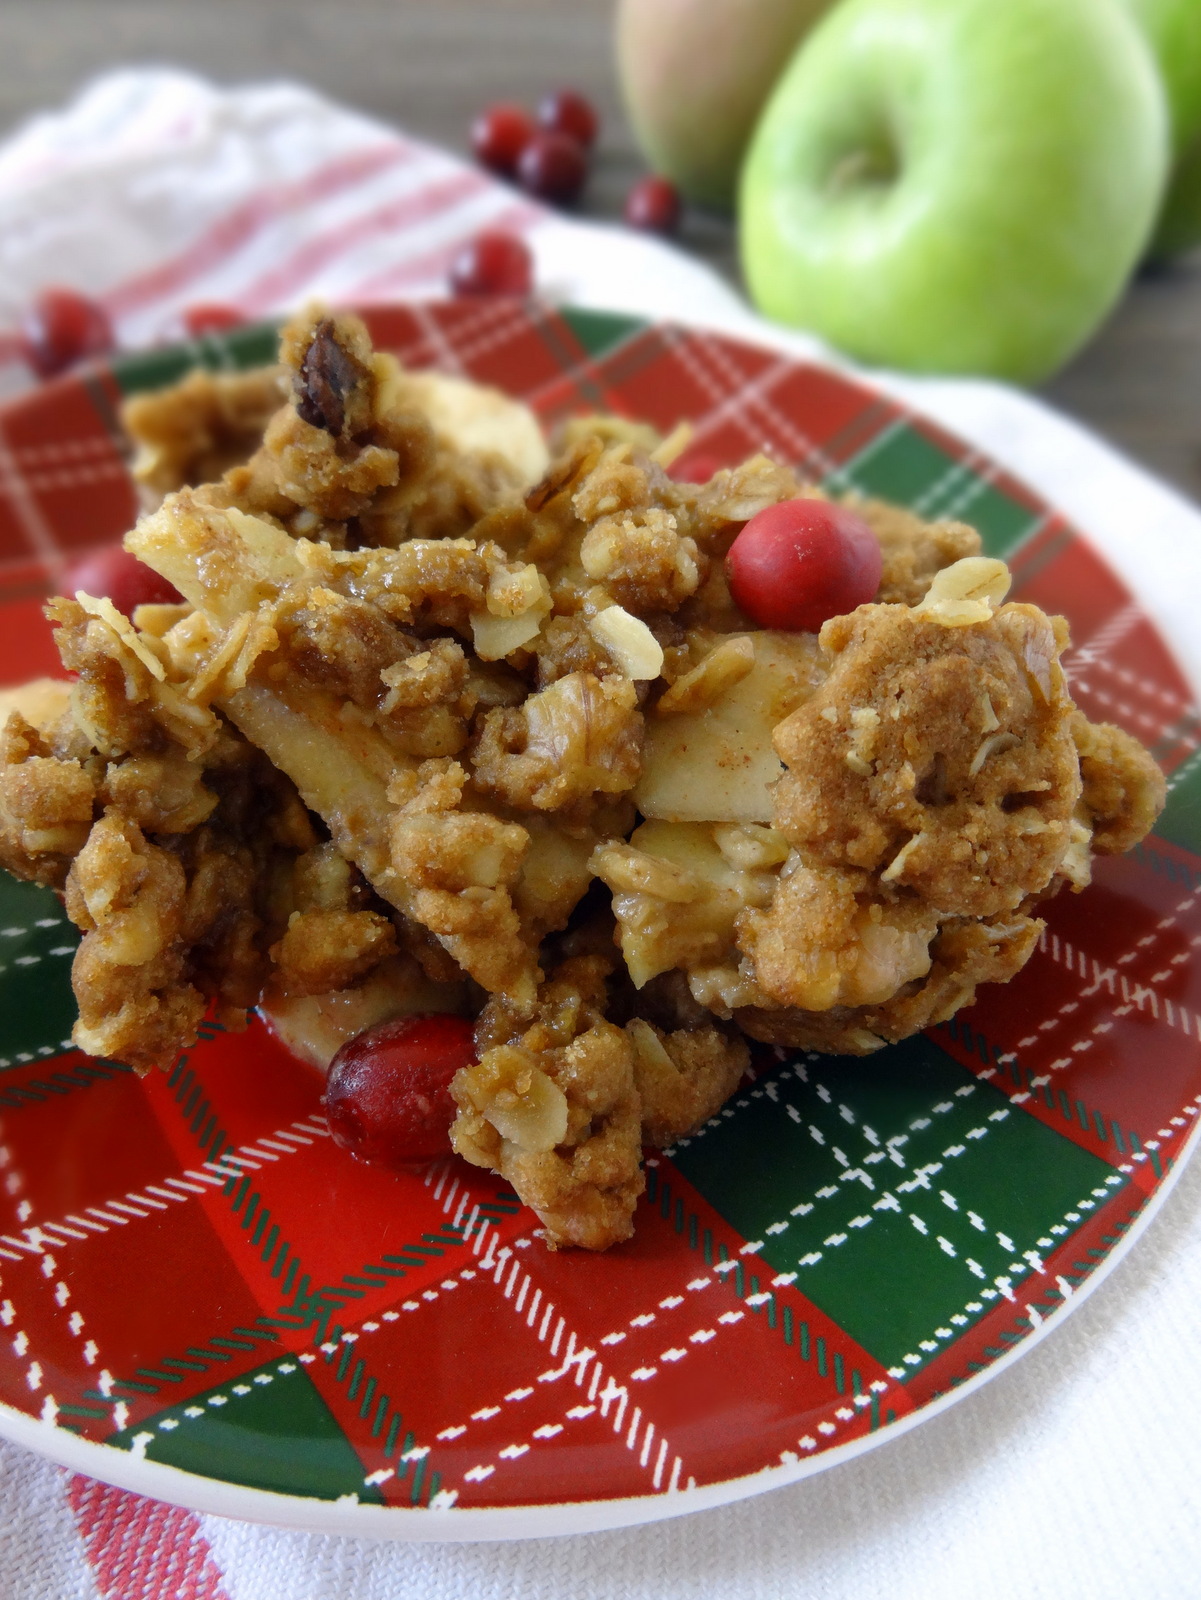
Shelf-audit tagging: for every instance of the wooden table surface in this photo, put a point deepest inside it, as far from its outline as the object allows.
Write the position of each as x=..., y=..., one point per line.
x=430, y=64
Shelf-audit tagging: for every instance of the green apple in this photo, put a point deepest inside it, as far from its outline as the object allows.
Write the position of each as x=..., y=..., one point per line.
x=956, y=185
x=695, y=75
x=1173, y=29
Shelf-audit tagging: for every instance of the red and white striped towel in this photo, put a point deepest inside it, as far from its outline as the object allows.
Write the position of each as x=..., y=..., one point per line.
x=154, y=191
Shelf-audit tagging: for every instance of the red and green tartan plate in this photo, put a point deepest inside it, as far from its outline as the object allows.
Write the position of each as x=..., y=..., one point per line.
x=201, y=1298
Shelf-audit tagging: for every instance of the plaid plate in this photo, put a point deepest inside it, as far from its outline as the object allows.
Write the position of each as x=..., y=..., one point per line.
x=192, y=1273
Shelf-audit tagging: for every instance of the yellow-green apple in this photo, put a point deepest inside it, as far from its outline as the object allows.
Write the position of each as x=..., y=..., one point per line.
x=956, y=185
x=1173, y=28
x=695, y=75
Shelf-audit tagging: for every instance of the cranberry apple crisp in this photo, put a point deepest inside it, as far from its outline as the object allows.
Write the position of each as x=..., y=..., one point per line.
x=443, y=724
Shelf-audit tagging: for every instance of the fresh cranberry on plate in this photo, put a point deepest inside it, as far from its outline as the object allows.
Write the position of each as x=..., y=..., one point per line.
x=493, y=263
x=61, y=328
x=112, y=573
x=553, y=166
x=567, y=111
x=388, y=1098
x=799, y=563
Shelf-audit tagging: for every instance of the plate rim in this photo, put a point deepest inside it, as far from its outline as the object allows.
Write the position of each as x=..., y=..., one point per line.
x=347, y=1516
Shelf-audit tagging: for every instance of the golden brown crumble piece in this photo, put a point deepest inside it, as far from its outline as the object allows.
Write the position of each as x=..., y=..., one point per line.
x=562, y=1104
x=829, y=938
x=551, y=1105
x=327, y=452
x=129, y=898
x=175, y=925
x=566, y=742
x=362, y=452
x=199, y=428
x=933, y=776
x=459, y=868
x=563, y=1127
x=913, y=550
x=684, y=1076
x=324, y=950
x=940, y=759
x=609, y=429
x=642, y=560
x=963, y=954
x=46, y=805
x=1124, y=790
x=179, y=832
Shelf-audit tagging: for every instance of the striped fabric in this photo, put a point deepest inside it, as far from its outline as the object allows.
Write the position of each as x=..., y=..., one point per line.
x=155, y=192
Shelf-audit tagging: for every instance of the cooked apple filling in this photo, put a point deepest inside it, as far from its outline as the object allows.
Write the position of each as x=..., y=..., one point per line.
x=445, y=724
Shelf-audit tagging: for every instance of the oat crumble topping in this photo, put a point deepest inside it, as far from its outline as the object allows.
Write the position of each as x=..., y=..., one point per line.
x=445, y=723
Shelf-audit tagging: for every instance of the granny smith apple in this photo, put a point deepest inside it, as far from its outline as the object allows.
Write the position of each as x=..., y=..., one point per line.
x=1173, y=29
x=695, y=75
x=956, y=185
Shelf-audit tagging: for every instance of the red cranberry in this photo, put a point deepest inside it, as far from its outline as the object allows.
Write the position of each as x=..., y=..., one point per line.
x=210, y=318
x=553, y=166
x=797, y=564
x=566, y=111
x=653, y=204
x=499, y=135
x=493, y=263
x=388, y=1095
x=112, y=572
x=61, y=328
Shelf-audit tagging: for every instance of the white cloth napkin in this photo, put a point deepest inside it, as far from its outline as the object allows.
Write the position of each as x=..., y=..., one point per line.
x=1077, y=1471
